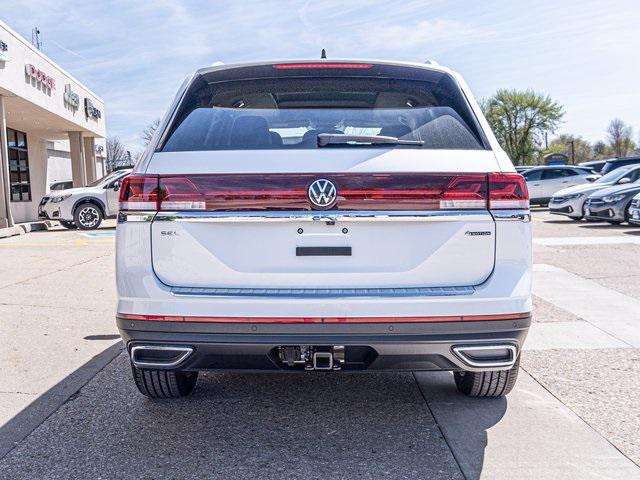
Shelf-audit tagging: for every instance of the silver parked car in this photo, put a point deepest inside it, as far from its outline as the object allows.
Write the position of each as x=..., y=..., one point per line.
x=634, y=210
x=571, y=201
x=612, y=204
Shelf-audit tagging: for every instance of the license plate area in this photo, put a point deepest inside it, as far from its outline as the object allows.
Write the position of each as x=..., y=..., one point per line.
x=323, y=251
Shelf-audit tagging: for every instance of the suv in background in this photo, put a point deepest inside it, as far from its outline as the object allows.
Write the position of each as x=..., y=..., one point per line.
x=61, y=185
x=594, y=165
x=614, y=163
x=84, y=207
x=324, y=215
x=544, y=181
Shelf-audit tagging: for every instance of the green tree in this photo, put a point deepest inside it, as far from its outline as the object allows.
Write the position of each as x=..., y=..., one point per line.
x=519, y=119
x=619, y=137
x=573, y=145
x=600, y=150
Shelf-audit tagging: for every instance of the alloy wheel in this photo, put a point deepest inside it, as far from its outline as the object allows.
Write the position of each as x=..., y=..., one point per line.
x=89, y=217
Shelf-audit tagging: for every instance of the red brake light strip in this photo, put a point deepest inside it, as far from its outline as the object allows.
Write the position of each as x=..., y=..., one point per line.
x=448, y=318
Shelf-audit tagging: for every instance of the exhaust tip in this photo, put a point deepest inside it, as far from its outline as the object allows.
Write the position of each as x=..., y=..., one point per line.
x=492, y=357
x=159, y=356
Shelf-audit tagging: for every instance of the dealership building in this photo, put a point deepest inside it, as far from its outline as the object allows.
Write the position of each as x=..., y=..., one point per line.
x=52, y=129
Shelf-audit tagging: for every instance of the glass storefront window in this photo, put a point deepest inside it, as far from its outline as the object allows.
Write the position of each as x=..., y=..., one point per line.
x=18, y=166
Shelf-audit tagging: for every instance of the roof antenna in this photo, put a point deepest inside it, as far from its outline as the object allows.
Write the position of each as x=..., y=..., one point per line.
x=323, y=54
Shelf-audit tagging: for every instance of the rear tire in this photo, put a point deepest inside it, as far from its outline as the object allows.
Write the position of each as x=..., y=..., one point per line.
x=161, y=384
x=68, y=225
x=487, y=384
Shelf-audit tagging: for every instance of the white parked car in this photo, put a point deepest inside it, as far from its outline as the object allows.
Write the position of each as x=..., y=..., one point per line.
x=543, y=182
x=324, y=215
x=571, y=201
x=84, y=207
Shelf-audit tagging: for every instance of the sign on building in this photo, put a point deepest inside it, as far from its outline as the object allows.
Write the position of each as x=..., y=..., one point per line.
x=71, y=98
x=91, y=110
x=40, y=77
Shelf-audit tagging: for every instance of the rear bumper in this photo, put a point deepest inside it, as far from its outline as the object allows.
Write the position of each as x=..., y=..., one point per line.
x=394, y=346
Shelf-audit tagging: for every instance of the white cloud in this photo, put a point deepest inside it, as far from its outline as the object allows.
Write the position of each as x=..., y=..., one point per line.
x=426, y=35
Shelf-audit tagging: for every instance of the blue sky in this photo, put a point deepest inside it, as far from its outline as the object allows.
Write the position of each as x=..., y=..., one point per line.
x=135, y=54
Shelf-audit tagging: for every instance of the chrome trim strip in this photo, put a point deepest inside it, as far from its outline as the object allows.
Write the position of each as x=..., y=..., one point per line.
x=325, y=216
x=322, y=292
x=186, y=351
x=511, y=215
x=460, y=351
x=136, y=216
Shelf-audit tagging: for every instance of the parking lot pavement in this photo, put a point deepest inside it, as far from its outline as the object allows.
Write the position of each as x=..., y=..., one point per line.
x=573, y=414
x=57, y=299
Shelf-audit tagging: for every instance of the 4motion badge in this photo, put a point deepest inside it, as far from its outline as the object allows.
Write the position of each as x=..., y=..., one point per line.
x=477, y=233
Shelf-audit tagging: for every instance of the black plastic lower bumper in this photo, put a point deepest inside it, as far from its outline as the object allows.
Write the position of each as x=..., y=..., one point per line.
x=380, y=346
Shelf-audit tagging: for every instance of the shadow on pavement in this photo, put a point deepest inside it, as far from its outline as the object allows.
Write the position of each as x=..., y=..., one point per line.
x=604, y=226
x=464, y=421
x=20, y=426
x=317, y=425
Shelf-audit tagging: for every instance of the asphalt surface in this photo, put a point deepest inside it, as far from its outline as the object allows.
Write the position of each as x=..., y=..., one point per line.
x=69, y=409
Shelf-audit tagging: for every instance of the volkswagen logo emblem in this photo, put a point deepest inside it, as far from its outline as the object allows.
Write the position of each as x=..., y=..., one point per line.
x=322, y=193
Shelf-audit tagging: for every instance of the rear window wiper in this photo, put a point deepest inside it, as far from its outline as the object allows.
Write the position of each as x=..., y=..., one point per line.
x=325, y=139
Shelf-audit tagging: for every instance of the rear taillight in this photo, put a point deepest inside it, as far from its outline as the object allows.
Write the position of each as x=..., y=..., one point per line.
x=372, y=191
x=376, y=191
x=139, y=192
x=465, y=192
x=507, y=191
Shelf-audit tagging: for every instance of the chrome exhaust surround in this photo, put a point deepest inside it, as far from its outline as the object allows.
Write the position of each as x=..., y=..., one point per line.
x=138, y=351
x=489, y=357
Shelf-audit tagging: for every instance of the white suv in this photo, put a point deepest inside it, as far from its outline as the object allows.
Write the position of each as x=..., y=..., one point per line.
x=84, y=207
x=324, y=215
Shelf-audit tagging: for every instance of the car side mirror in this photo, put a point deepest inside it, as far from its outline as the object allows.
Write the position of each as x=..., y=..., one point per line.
x=624, y=180
x=592, y=178
x=116, y=185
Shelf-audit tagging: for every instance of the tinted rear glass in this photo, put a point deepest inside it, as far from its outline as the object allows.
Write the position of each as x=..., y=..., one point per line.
x=289, y=112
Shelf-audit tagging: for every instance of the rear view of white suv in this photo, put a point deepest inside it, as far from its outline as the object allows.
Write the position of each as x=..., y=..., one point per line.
x=324, y=215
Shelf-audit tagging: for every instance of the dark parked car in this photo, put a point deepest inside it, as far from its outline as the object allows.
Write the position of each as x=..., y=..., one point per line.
x=614, y=163
x=594, y=165
x=612, y=204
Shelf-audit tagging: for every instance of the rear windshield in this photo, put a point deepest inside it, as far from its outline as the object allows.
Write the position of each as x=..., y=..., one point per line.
x=290, y=112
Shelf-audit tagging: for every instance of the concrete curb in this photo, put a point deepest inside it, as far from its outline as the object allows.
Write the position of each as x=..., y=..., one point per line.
x=22, y=228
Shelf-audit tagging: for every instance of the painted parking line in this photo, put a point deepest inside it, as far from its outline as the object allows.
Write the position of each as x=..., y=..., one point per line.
x=608, y=310
x=109, y=234
x=565, y=241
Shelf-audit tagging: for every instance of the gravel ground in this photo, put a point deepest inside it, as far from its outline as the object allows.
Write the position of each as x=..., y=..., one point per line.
x=601, y=386
x=240, y=426
x=544, y=311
